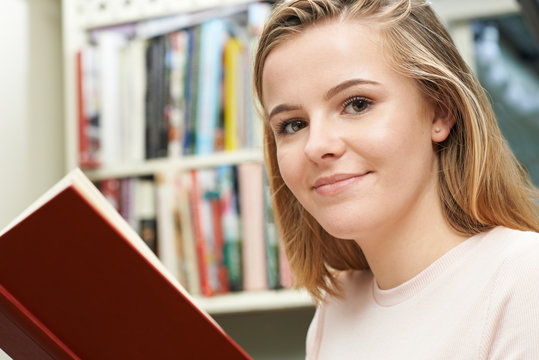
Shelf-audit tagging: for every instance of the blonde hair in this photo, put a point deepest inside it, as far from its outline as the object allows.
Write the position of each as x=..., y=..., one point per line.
x=481, y=184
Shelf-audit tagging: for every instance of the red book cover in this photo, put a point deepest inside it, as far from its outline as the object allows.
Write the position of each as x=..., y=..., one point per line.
x=77, y=282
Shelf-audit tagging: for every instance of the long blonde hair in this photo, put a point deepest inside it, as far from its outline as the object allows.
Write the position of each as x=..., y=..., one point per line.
x=481, y=184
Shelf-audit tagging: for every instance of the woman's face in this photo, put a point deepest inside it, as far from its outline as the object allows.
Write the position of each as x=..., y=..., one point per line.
x=354, y=138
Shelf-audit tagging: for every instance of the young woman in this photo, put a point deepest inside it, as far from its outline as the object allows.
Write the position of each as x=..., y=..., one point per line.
x=400, y=206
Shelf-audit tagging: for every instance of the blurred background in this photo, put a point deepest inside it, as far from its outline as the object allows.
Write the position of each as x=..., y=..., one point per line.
x=36, y=94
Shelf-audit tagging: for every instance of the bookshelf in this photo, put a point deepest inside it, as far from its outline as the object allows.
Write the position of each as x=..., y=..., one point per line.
x=82, y=19
x=163, y=165
x=255, y=301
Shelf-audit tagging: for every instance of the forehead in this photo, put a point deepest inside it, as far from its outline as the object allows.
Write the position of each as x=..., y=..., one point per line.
x=325, y=53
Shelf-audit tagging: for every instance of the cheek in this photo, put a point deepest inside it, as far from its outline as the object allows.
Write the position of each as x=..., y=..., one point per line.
x=290, y=165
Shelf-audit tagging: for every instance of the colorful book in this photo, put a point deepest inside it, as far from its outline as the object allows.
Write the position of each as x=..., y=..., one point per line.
x=207, y=183
x=87, y=95
x=212, y=37
x=169, y=250
x=146, y=212
x=109, y=45
x=251, y=191
x=221, y=270
x=233, y=93
x=156, y=127
x=185, y=227
x=191, y=93
x=76, y=282
x=176, y=61
x=133, y=100
x=272, y=239
x=230, y=223
x=200, y=233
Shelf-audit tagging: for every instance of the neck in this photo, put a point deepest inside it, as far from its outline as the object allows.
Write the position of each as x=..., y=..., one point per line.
x=397, y=256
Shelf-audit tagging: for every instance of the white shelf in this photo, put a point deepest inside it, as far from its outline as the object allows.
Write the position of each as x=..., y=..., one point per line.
x=463, y=10
x=164, y=165
x=252, y=301
x=102, y=13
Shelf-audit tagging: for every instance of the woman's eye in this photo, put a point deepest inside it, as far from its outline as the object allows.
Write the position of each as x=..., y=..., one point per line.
x=356, y=105
x=292, y=127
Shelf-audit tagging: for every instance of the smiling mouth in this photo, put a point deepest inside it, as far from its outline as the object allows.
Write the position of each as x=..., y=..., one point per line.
x=336, y=183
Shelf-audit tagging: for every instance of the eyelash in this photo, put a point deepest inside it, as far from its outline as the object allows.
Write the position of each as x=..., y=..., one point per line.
x=281, y=127
x=349, y=101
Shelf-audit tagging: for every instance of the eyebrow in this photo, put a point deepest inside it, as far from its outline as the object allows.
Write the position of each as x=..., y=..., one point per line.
x=345, y=85
x=331, y=92
x=282, y=108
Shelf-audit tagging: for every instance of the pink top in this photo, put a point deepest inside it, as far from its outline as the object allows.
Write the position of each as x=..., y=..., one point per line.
x=478, y=301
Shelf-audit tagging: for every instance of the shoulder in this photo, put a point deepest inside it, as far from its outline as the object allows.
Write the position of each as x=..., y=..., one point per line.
x=514, y=300
x=513, y=253
x=516, y=280
x=521, y=261
x=515, y=248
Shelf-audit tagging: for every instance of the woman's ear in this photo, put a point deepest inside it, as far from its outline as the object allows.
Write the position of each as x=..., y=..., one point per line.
x=442, y=122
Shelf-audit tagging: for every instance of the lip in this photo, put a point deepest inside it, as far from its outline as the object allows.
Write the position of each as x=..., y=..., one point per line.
x=331, y=185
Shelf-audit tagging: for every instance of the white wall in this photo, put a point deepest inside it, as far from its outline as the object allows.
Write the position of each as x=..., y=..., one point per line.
x=31, y=118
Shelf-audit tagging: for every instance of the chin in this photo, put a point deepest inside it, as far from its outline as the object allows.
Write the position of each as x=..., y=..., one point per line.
x=342, y=229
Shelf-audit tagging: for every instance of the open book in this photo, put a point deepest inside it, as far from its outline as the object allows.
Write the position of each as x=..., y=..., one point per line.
x=76, y=282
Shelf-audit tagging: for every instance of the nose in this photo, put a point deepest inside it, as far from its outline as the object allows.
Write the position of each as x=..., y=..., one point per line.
x=325, y=141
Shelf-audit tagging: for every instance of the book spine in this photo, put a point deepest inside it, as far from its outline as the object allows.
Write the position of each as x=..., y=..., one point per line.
x=166, y=226
x=232, y=57
x=191, y=82
x=285, y=273
x=156, y=127
x=230, y=223
x=134, y=109
x=206, y=178
x=212, y=35
x=252, y=214
x=89, y=133
x=200, y=241
x=84, y=148
x=109, y=45
x=128, y=201
x=189, y=262
x=218, y=255
x=145, y=212
x=272, y=240
x=175, y=108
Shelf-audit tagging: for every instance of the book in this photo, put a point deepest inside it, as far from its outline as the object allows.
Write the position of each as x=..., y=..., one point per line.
x=133, y=95
x=77, y=282
x=176, y=62
x=168, y=251
x=156, y=92
x=88, y=109
x=108, y=48
x=232, y=93
x=251, y=192
x=185, y=231
x=145, y=212
x=272, y=238
x=212, y=39
x=230, y=223
x=197, y=201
